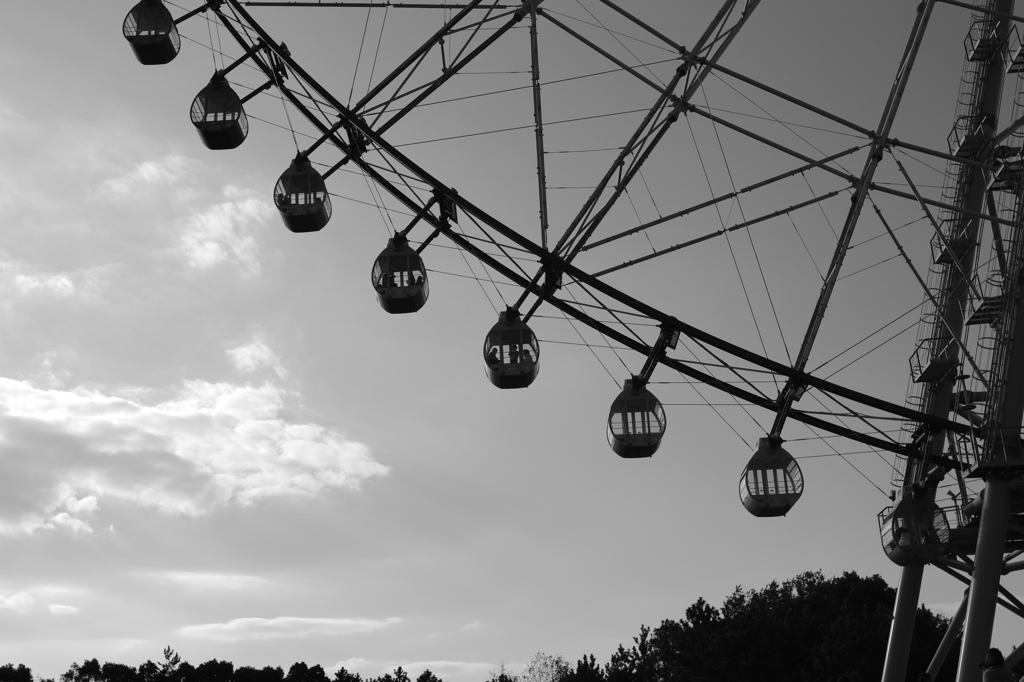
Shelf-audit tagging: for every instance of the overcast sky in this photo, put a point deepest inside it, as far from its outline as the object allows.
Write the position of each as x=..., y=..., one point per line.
x=212, y=438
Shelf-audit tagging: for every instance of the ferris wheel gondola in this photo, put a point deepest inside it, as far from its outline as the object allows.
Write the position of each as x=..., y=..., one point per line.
x=218, y=115
x=771, y=482
x=301, y=197
x=149, y=28
x=914, y=531
x=636, y=421
x=399, y=278
x=511, y=352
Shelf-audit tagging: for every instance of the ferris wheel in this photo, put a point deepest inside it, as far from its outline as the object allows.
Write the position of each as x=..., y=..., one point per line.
x=604, y=256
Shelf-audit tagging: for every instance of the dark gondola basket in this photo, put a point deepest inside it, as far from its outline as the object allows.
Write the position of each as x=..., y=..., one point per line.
x=511, y=352
x=913, y=532
x=399, y=278
x=636, y=421
x=149, y=28
x=772, y=481
x=218, y=115
x=301, y=197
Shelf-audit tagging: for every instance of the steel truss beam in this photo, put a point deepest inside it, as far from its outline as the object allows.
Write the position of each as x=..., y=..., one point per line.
x=561, y=262
x=554, y=262
x=792, y=389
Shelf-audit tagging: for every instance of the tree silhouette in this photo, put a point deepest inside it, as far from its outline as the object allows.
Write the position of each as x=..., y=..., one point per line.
x=396, y=675
x=427, y=676
x=635, y=664
x=587, y=670
x=545, y=668
x=343, y=675
x=215, y=671
x=502, y=675
x=250, y=674
x=89, y=671
x=807, y=629
x=172, y=661
x=149, y=672
x=8, y=673
x=118, y=672
x=300, y=672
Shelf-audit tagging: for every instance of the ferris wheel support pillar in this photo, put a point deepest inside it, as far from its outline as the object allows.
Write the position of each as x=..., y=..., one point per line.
x=952, y=632
x=897, y=654
x=988, y=567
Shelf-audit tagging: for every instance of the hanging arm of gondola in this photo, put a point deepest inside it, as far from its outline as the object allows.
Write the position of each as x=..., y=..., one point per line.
x=667, y=339
x=209, y=4
x=447, y=215
x=266, y=86
x=256, y=47
x=402, y=235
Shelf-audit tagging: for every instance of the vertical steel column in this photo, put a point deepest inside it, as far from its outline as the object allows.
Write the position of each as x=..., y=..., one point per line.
x=947, y=639
x=988, y=567
x=902, y=631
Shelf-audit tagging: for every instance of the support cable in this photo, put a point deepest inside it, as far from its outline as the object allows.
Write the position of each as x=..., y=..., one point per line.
x=376, y=53
x=724, y=231
x=793, y=389
x=613, y=35
x=552, y=260
x=750, y=237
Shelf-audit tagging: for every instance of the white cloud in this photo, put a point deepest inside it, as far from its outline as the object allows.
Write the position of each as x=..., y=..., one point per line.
x=212, y=581
x=55, y=285
x=19, y=602
x=475, y=625
x=69, y=523
x=33, y=283
x=63, y=610
x=353, y=664
x=210, y=445
x=24, y=600
x=223, y=231
x=448, y=667
x=414, y=668
x=252, y=356
x=285, y=627
x=167, y=171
